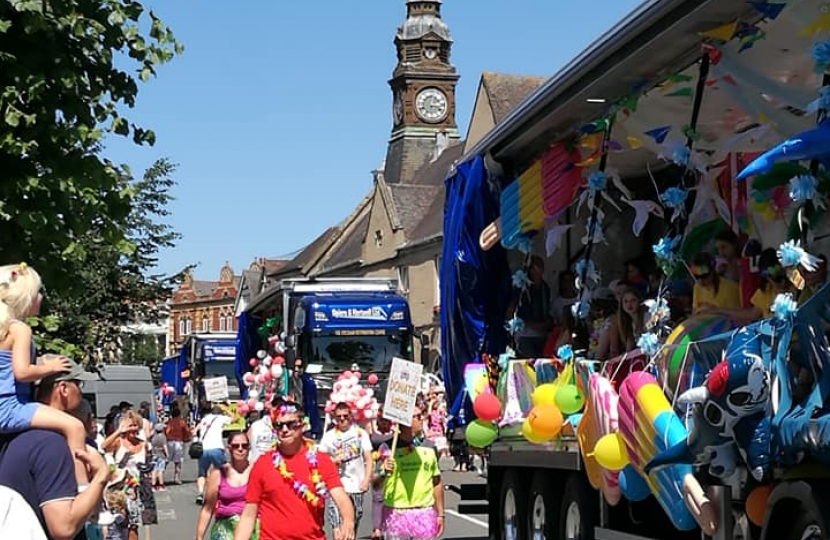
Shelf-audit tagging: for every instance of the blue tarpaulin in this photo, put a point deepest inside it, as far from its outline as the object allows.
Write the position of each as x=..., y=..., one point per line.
x=475, y=284
x=248, y=342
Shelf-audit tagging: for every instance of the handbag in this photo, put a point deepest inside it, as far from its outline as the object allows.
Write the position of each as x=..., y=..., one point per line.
x=197, y=448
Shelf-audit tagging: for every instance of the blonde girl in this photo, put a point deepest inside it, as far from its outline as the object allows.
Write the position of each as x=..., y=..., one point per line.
x=116, y=501
x=20, y=298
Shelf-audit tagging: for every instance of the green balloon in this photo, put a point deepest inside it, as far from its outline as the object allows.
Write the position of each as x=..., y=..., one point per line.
x=569, y=399
x=481, y=434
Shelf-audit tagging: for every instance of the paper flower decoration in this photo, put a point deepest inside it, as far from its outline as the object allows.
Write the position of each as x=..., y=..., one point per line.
x=520, y=279
x=596, y=181
x=821, y=55
x=525, y=245
x=649, y=344
x=565, y=352
x=515, y=325
x=791, y=253
x=664, y=253
x=580, y=309
x=674, y=198
x=589, y=270
x=680, y=156
x=803, y=189
x=658, y=312
x=784, y=306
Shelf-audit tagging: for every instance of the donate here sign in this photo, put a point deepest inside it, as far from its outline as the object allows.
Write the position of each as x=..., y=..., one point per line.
x=402, y=391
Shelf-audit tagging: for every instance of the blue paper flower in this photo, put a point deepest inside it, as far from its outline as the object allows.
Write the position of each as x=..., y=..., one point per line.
x=525, y=245
x=597, y=181
x=784, y=306
x=565, y=352
x=648, y=343
x=803, y=188
x=515, y=325
x=520, y=279
x=588, y=269
x=680, y=156
x=664, y=251
x=674, y=198
x=580, y=309
x=821, y=55
x=791, y=253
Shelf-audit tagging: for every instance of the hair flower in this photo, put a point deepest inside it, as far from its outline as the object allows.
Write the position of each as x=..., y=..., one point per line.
x=791, y=254
x=649, y=344
x=784, y=306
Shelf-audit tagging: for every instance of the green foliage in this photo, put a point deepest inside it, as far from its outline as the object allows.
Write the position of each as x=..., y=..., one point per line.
x=66, y=68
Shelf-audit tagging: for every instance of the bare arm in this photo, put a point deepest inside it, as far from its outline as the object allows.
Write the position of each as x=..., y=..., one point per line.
x=438, y=493
x=247, y=520
x=65, y=517
x=346, y=509
x=211, y=493
x=24, y=370
x=369, y=468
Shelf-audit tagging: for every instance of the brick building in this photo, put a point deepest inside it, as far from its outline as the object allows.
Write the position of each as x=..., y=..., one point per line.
x=202, y=306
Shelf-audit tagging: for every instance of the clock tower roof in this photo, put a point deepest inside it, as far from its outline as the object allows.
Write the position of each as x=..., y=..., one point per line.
x=422, y=18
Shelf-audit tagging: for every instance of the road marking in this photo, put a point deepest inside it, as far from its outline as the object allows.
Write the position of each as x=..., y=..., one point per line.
x=163, y=498
x=167, y=515
x=472, y=520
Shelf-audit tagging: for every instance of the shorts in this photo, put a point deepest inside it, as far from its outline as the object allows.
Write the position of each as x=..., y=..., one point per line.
x=440, y=443
x=15, y=415
x=334, y=513
x=159, y=463
x=175, y=449
x=215, y=457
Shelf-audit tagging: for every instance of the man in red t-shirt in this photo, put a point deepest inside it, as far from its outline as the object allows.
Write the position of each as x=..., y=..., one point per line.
x=287, y=487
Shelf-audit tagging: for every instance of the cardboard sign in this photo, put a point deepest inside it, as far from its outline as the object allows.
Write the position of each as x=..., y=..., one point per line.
x=216, y=388
x=402, y=391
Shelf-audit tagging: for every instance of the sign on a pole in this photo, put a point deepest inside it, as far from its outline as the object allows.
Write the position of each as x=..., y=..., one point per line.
x=402, y=391
x=216, y=388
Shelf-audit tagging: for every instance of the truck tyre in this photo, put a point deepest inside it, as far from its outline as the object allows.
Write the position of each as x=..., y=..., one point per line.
x=541, y=516
x=579, y=512
x=512, y=508
x=809, y=523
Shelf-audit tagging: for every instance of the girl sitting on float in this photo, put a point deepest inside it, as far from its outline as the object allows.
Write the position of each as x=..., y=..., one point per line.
x=712, y=291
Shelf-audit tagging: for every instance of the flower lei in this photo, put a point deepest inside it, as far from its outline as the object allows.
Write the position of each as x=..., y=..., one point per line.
x=316, y=496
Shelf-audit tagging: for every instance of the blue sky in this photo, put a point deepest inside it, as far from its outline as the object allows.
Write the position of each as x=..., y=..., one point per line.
x=278, y=110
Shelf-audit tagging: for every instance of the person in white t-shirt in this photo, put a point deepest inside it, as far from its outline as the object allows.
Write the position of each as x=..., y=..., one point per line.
x=351, y=451
x=261, y=435
x=17, y=519
x=210, y=433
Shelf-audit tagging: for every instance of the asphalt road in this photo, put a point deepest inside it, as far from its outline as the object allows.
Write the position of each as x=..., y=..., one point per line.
x=177, y=509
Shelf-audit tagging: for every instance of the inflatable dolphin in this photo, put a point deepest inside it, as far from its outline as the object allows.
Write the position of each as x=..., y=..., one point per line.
x=810, y=144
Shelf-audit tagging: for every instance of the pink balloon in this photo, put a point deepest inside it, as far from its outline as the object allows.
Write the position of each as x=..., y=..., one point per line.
x=240, y=404
x=279, y=360
x=248, y=378
x=251, y=403
x=372, y=378
x=347, y=374
x=252, y=362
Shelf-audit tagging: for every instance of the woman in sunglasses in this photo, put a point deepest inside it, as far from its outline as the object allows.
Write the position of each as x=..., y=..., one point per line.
x=774, y=281
x=225, y=492
x=712, y=292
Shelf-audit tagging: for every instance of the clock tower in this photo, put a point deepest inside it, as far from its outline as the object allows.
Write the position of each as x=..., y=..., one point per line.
x=423, y=91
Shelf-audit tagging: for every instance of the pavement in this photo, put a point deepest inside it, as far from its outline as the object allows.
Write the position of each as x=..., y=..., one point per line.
x=177, y=509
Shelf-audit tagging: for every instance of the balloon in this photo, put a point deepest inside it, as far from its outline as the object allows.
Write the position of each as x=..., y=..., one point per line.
x=528, y=433
x=248, y=379
x=545, y=420
x=610, y=452
x=487, y=407
x=253, y=394
x=481, y=434
x=347, y=374
x=544, y=393
x=276, y=371
x=259, y=406
x=252, y=362
x=632, y=485
x=267, y=361
x=279, y=348
x=372, y=379
x=261, y=354
x=263, y=370
x=756, y=504
x=252, y=403
x=569, y=399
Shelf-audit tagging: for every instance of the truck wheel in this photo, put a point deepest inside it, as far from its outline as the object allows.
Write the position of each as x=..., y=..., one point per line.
x=540, y=505
x=579, y=511
x=512, y=508
x=808, y=525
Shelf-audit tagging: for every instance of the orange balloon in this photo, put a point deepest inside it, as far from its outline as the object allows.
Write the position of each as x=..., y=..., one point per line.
x=546, y=420
x=756, y=504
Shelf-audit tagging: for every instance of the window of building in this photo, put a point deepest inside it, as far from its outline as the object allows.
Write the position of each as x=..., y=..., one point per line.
x=181, y=327
x=403, y=278
x=205, y=324
x=378, y=238
x=229, y=323
x=188, y=326
x=221, y=324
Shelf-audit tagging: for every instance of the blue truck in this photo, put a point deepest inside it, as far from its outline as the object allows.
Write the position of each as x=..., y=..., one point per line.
x=332, y=324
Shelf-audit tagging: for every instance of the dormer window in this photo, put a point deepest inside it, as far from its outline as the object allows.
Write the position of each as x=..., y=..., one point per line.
x=378, y=238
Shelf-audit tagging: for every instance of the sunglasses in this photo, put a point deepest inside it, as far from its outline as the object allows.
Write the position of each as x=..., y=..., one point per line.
x=293, y=424
x=342, y=416
x=240, y=446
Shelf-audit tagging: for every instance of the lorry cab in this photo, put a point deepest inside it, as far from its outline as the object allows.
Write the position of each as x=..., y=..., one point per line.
x=118, y=383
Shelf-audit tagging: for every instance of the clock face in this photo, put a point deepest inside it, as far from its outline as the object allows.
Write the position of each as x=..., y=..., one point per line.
x=431, y=105
x=397, y=108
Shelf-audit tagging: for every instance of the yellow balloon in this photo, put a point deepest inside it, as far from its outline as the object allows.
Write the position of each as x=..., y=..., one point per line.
x=530, y=435
x=610, y=452
x=544, y=393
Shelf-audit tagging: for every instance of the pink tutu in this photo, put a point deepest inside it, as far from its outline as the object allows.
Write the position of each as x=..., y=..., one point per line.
x=416, y=523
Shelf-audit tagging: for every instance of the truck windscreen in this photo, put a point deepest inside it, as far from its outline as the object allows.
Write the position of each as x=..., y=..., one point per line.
x=370, y=352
